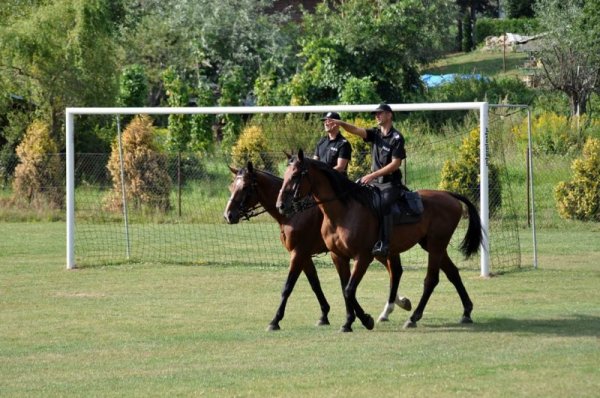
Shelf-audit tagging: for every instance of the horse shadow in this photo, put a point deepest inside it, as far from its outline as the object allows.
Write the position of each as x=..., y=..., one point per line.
x=576, y=325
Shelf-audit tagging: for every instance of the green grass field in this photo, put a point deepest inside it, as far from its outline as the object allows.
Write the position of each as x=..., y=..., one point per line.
x=487, y=63
x=162, y=329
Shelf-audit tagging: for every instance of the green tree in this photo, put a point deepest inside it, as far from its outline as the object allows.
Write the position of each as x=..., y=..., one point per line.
x=387, y=40
x=519, y=8
x=233, y=36
x=570, y=50
x=177, y=96
x=60, y=54
x=133, y=86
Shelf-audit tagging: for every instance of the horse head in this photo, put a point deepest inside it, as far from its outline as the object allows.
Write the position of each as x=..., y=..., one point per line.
x=295, y=187
x=243, y=199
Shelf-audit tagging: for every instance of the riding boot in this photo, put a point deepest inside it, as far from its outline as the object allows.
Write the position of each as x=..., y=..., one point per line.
x=382, y=247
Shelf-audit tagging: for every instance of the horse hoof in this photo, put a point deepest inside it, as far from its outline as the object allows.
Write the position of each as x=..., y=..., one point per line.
x=323, y=322
x=383, y=319
x=368, y=322
x=273, y=327
x=345, y=329
x=465, y=320
x=404, y=303
x=410, y=324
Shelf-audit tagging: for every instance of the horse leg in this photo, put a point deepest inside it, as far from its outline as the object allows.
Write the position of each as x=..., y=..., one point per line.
x=313, y=278
x=453, y=276
x=342, y=265
x=288, y=287
x=394, y=268
x=432, y=278
x=360, y=267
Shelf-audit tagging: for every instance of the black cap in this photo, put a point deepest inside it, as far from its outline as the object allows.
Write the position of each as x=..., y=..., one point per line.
x=331, y=115
x=383, y=108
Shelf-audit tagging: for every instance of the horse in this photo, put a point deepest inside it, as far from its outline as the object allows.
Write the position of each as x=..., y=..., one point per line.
x=300, y=234
x=351, y=227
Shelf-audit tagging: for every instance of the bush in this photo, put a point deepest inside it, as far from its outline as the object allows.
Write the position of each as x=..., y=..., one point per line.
x=38, y=177
x=462, y=176
x=555, y=134
x=579, y=199
x=147, y=182
x=252, y=146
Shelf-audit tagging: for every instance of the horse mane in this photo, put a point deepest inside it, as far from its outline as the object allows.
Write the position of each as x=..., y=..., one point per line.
x=270, y=175
x=345, y=189
x=244, y=170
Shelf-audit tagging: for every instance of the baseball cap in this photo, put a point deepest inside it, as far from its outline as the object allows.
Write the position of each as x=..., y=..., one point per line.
x=331, y=115
x=383, y=108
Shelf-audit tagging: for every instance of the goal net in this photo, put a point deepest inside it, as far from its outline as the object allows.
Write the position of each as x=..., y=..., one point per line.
x=106, y=224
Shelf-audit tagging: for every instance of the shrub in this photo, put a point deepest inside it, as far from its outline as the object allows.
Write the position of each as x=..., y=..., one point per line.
x=38, y=177
x=579, y=199
x=462, y=175
x=252, y=146
x=554, y=134
x=147, y=182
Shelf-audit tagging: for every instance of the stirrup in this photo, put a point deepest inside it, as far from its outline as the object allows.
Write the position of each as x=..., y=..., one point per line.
x=380, y=249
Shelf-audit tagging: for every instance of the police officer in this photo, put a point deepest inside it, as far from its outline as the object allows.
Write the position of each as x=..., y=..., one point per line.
x=387, y=152
x=333, y=148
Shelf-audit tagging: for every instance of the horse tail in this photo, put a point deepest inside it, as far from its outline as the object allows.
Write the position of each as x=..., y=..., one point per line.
x=472, y=240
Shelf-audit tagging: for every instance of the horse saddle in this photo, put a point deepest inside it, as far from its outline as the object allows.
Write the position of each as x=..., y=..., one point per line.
x=408, y=208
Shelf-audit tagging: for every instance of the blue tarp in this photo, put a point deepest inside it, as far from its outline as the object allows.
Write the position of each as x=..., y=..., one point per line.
x=437, y=80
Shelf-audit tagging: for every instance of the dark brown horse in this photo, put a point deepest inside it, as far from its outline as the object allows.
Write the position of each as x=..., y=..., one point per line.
x=350, y=229
x=300, y=235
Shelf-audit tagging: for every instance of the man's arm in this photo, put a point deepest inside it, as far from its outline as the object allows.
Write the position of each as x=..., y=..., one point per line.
x=388, y=169
x=359, y=131
x=341, y=165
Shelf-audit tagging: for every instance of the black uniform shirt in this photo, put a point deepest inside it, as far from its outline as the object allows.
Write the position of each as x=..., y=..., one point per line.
x=329, y=151
x=383, y=149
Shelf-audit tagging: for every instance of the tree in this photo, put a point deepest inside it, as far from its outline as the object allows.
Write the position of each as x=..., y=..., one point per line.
x=466, y=19
x=570, y=50
x=205, y=46
x=386, y=41
x=60, y=54
x=519, y=8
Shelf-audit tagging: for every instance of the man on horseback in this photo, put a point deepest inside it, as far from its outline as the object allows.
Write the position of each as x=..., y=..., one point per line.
x=333, y=148
x=387, y=152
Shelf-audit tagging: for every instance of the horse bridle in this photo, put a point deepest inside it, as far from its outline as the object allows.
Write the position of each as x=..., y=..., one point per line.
x=248, y=213
x=307, y=202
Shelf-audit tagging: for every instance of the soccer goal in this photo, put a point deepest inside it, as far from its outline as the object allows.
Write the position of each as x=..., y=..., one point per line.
x=190, y=229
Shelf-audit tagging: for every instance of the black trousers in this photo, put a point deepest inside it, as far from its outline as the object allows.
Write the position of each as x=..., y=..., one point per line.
x=389, y=194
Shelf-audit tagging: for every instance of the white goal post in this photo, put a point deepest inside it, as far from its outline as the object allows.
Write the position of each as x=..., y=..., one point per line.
x=483, y=108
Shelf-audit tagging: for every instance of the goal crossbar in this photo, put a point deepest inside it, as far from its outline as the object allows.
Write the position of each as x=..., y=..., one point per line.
x=482, y=107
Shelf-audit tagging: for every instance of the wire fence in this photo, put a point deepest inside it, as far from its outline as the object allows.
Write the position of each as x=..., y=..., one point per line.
x=191, y=229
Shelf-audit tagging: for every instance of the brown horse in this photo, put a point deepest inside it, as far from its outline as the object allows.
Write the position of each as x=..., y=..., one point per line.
x=300, y=235
x=350, y=229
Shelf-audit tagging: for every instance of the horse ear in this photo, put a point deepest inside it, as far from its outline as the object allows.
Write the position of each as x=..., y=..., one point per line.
x=250, y=167
x=300, y=155
x=287, y=155
x=233, y=170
